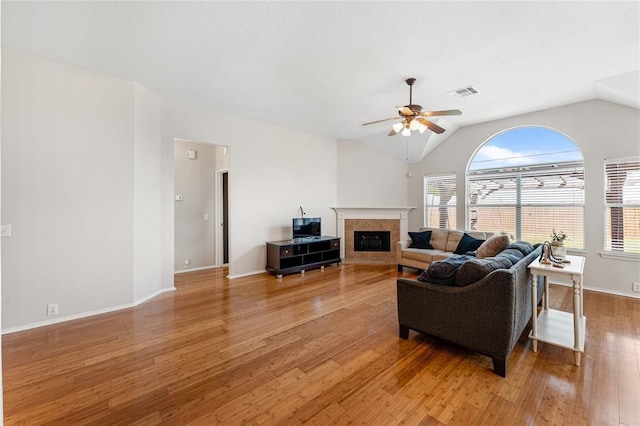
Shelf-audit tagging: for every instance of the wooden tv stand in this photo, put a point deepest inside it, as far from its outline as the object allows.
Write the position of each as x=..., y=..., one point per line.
x=290, y=256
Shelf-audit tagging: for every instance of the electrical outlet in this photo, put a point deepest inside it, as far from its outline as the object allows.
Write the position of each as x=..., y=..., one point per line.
x=636, y=287
x=154, y=285
x=52, y=309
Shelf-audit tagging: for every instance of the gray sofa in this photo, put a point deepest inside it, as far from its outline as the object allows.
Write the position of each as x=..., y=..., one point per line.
x=487, y=315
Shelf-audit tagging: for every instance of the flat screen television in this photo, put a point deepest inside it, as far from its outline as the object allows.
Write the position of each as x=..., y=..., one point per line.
x=306, y=227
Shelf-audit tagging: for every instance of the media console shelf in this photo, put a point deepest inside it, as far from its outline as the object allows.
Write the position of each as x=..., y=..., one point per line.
x=290, y=256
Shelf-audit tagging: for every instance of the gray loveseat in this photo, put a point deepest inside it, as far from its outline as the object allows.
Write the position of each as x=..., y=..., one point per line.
x=487, y=316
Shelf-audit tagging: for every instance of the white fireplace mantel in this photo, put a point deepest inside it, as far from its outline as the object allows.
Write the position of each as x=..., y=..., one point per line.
x=399, y=213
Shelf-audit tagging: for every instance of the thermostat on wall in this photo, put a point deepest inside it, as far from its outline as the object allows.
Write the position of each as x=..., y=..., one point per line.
x=178, y=197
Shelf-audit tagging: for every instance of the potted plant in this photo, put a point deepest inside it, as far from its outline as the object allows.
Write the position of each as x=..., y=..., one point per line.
x=558, y=250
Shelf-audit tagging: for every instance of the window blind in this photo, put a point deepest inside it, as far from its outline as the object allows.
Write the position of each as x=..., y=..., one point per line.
x=622, y=205
x=529, y=204
x=440, y=201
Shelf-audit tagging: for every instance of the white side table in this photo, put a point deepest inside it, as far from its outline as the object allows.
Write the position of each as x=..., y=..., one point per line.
x=564, y=329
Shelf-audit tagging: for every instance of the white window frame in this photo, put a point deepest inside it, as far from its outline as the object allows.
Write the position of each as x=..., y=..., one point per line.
x=608, y=251
x=517, y=172
x=452, y=176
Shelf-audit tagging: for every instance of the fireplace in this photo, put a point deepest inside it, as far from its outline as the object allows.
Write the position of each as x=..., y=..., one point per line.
x=372, y=241
x=367, y=219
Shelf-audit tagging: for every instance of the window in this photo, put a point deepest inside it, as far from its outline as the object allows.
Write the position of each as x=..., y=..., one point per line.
x=622, y=205
x=440, y=201
x=527, y=182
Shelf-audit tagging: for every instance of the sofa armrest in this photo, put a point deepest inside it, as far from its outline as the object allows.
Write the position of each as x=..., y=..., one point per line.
x=401, y=245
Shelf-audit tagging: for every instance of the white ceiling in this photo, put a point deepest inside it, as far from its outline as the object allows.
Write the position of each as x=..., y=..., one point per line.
x=328, y=67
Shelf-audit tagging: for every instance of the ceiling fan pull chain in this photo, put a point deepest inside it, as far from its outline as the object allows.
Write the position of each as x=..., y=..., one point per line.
x=407, y=155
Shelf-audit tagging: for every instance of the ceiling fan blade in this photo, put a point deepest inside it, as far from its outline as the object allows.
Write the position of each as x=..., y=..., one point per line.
x=392, y=133
x=438, y=113
x=405, y=110
x=432, y=126
x=380, y=121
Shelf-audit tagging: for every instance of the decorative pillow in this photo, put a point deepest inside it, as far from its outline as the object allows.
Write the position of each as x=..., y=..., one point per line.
x=476, y=269
x=492, y=246
x=468, y=243
x=420, y=240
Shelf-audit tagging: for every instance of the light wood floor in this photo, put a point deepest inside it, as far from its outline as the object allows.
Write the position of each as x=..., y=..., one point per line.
x=318, y=348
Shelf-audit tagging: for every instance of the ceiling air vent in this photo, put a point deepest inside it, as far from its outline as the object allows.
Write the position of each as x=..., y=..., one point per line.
x=464, y=92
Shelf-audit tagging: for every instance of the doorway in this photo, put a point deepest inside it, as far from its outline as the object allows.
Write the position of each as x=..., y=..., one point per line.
x=201, y=183
x=225, y=217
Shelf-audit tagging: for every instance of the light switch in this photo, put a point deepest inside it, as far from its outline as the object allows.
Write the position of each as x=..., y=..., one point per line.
x=5, y=231
x=191, y=154
x=206, y=216
x=178, y=197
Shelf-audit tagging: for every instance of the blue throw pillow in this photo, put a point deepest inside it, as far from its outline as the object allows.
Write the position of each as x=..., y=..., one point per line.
x=467, y=243
x=420, y=240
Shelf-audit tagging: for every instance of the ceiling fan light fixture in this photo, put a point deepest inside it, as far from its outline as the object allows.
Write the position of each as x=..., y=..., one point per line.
x=413, y=116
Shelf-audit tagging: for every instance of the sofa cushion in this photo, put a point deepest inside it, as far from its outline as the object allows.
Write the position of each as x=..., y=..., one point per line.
x=440, y=255
x=424, y=255
x=492, y=246
x=467, y=243
x=453, y=239
x=420, y=240
x=524, y=247
x=444, y=271
x=476, y=269
x=514, y=255
x=439, y=239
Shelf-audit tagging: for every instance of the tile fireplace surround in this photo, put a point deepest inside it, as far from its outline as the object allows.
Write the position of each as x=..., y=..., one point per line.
x=350, y=219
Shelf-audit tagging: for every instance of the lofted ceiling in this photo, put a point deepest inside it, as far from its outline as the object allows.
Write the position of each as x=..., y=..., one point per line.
x=328, y=67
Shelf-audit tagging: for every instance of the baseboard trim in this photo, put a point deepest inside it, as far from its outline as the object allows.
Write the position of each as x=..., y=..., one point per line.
x=182, y=271
x=83, y=314
x=152, y=295
x=613, y=292
x=247, y=274
x=599, y=290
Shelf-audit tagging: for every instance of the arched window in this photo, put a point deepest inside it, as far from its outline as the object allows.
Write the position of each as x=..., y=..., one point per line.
x=527, y=181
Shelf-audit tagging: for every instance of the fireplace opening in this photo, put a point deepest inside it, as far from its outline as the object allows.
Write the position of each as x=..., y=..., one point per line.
x=372, y=240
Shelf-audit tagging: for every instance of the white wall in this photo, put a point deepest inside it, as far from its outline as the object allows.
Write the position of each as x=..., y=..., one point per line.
x=87, y=184
x=273, y=170
x=67, y=173
x=601, y=130
x=369, y=178
x=146, y=188
x=195, y=181
x=1, y=385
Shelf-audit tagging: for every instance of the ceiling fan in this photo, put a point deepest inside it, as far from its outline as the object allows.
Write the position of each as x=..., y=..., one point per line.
x=413, y=118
